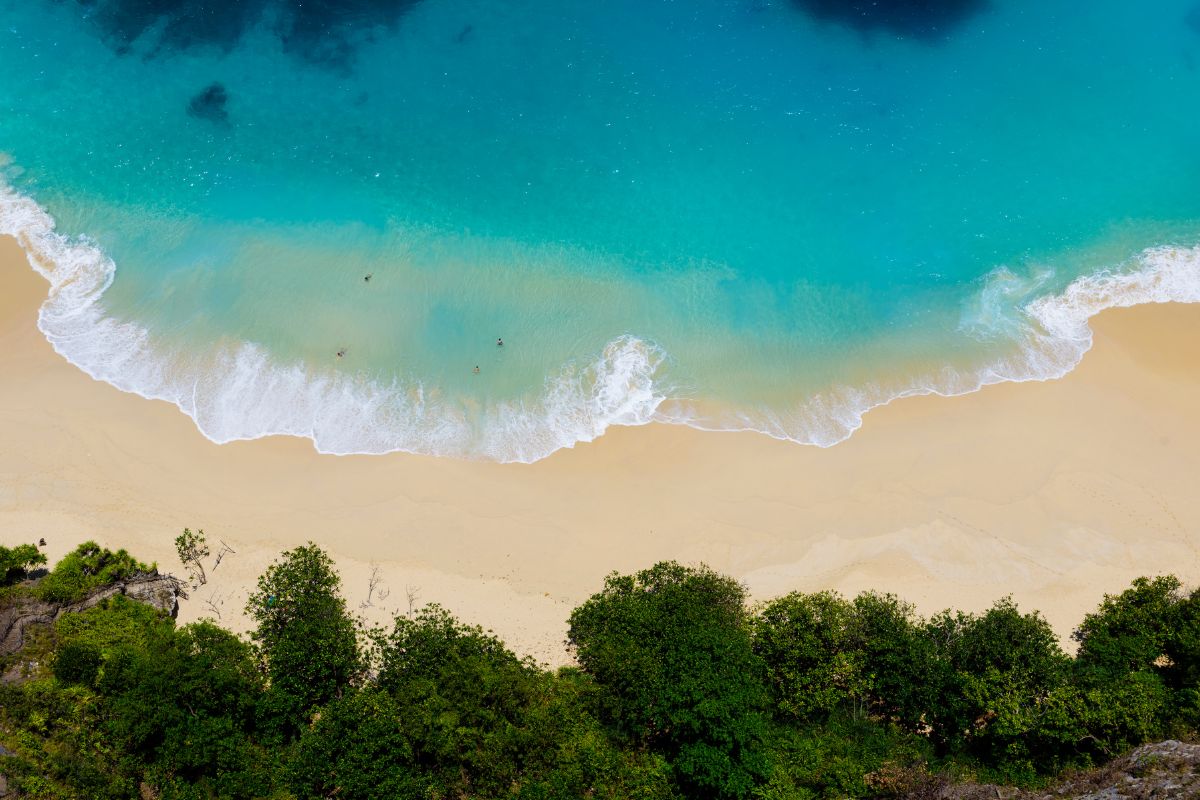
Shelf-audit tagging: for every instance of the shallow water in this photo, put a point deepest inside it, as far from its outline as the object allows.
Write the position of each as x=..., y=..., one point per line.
x=732, y=214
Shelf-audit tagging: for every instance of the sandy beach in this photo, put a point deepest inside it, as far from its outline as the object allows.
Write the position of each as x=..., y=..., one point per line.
x=1052, y=492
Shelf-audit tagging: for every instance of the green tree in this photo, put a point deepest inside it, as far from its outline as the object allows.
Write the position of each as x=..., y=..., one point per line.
x=574, y=756
x=670, y=648
x=465, y=698
x=308, y=641
x=1130, y=631
x=1071, y=725
x=895, y=659
x=999, y=664
x=357, y=750
x=15, y=562
x=183, y=702
x=193, y=549
x=1182, y=651
x=834, y=759
x=86, y=568
x=810, y=645
x=1136, y=662
x=827, y=655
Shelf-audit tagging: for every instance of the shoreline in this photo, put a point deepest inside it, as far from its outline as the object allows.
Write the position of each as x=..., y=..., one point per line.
x=1055, y=492
x=237, y=391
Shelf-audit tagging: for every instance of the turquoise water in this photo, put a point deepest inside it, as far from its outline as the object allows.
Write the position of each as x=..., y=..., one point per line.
x=735, y=215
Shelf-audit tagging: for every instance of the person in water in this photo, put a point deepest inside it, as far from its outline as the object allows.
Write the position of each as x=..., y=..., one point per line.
x=476, y=370
x=367, y=277
x=341, y=352
x=499, y=342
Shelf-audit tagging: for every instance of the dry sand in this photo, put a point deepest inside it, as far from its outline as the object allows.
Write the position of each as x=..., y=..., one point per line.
x=1052, y=492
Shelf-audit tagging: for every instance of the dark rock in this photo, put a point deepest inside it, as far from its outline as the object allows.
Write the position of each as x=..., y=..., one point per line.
x=325, y=32
x=1193, y=19
x=209, y=104
x=915, y=19
x=1163, y=770
x=160, y=591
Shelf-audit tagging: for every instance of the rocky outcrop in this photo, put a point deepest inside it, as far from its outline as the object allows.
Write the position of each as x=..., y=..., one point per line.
x=160, y=591
x=1161, y=771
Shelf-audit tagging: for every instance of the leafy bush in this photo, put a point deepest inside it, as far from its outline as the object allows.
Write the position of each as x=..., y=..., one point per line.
x=464, y=697
x=113, y=623
x=308, y=641
x=77, y=662
x=670, y=649
x=680, y=693
x=809, y=643
x=1129, y=632
x=837, y=758
x=86, y=568
x=358, y=748
x=15, y=562
x=896, y=658
x=989, y=667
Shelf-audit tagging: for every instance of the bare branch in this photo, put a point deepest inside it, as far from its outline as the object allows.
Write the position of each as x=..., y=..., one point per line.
x=214, y=603
x=225, y=548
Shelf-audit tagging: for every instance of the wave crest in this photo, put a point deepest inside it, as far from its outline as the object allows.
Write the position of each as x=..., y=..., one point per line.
x=238, y=391
x=1051, y=332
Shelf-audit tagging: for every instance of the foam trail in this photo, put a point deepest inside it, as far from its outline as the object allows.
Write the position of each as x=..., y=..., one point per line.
x=238, y=392
x=1051, y=332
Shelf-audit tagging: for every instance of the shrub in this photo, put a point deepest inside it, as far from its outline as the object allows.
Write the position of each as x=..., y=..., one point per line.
x=357, y=749
x=670, y=650
x=15, y=562
x=307, y=639
x=77, y=662
x=1130, y=631
x=809, y=644
x=990, y=670
x=86, y=568
x=465, y=698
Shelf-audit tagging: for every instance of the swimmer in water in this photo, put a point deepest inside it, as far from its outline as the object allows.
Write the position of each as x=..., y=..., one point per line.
x=476, y=370
x=367, y=277
x=341, y=352
x=499, y=342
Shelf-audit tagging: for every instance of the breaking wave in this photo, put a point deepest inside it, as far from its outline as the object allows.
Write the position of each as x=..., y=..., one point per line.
x=238, y=391
x=1049, y=334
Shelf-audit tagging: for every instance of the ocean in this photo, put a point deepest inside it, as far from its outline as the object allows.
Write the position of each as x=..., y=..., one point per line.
x=318, y=219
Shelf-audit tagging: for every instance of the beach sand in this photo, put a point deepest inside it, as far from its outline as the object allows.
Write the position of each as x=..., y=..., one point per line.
x=1053, y=492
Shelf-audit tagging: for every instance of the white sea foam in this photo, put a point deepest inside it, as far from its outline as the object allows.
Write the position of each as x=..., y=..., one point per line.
x=1049, y=333
x=238, y=391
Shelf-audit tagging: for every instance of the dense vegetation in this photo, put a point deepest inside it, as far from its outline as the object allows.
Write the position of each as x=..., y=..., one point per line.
x=17, y=562
x=681, y=691
x=85, y=569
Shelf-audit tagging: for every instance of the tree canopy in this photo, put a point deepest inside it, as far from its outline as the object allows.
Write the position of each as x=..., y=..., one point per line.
x=309, y=642
x=16, y=562
x=681, y=691
x=670, y=649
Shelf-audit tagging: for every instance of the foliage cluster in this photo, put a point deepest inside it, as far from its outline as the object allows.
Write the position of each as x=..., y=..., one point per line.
x=85, y=569
x=16, y=562
x=682, y=691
